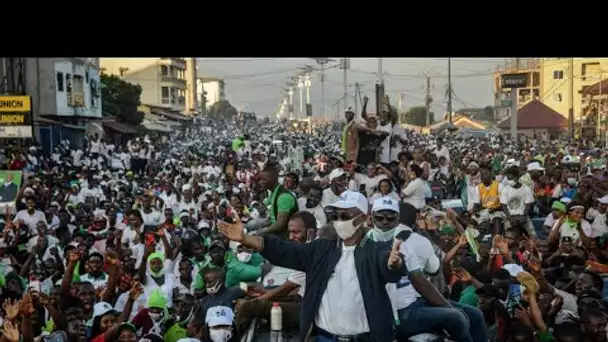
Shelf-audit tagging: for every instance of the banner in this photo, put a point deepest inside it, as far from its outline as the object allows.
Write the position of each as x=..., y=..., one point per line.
x=10, y=183
x=16, y=120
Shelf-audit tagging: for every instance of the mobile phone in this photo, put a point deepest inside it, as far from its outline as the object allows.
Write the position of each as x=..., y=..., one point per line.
x=567, y=239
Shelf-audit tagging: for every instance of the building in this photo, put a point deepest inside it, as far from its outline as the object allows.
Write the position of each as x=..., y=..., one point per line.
x=536, y=119
x=555, y=82
x=210, y=91
x=532, y=90
x=162, y=79
x=65, y=94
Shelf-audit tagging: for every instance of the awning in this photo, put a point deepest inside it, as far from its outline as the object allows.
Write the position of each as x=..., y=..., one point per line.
x=167, y=114
x=119, y=127
x=156, y=127
x=46, y=121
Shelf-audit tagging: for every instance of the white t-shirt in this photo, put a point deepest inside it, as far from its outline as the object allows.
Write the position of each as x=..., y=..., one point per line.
x=415, y=193
x=385, y=156
x=298, y=278
x=342, y=311
x=598, y=227
x=30, y=220
x=419, y=255
x=154, y=218
x=516, y=199
x=317, y=211
x=95, y=146
x=398, y=131
x=572, y=232
x=328, y=198
x=371, y=183
x=378, y=195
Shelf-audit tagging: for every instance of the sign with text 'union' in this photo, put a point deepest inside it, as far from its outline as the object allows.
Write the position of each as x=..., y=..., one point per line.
x=514, y=80
x=16, y=118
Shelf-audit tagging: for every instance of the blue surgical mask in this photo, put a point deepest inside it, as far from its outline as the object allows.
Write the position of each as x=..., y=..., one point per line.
x=380, y=235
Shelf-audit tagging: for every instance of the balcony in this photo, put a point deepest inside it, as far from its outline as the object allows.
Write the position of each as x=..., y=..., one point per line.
x=173, y=81
x=177, y=62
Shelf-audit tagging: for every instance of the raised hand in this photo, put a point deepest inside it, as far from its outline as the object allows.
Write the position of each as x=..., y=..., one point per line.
x=232, y=231
x=394, y=258
x=11, y=307
x=10, y=332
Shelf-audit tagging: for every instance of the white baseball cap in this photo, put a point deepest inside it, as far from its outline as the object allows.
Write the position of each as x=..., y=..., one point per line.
x=351, y=199
x=219, y=315
x=385, y=203
x=603, y=200
x=335, y=173
x=102, y=308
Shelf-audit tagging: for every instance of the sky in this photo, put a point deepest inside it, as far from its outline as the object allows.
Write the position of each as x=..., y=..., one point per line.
x=257, y=84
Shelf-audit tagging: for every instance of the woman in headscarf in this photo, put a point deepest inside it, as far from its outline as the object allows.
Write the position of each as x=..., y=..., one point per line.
x=153, y=319
x=572, y=229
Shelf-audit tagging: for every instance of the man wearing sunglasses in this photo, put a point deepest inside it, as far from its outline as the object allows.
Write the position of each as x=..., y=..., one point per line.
x=418, y=307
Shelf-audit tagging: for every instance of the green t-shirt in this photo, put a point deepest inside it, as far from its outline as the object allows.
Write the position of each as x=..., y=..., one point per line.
x=285, y=204
x=236, y=144
x=468, y=296
x=175, y=333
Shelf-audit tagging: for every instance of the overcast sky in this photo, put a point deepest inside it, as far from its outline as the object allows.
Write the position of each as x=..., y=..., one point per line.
x=256, y=84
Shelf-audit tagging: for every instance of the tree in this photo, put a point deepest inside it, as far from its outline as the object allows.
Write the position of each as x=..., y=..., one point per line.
x=417, y=116
x=222, y=109
x=120, y=99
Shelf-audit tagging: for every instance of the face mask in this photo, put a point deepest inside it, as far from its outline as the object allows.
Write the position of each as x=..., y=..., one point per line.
x=220, y=335
x=380, y=235
x=311, y=204
x=572, y=181
x=244, y=257
x=214, y=288
x=511, y=182
x=156, y=316
x=346, y=229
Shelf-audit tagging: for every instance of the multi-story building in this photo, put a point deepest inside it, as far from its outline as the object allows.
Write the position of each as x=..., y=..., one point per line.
x=502, y=96
x=162, y=79
x=64, y=92
x=210, y=90
x=555, y=82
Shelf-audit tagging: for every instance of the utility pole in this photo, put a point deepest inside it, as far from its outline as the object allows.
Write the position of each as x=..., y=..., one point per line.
x=428, y=99
x=357, y=98
x=449, y=89
x=301, y=89
x=345, y=65
x=379, y=88
x=571, y=109
x=323, y=61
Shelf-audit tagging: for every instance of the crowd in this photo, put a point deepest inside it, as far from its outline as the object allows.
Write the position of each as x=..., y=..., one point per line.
x=382, y=234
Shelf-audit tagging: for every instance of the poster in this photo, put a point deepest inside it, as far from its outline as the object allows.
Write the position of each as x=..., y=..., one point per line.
x=10, y=183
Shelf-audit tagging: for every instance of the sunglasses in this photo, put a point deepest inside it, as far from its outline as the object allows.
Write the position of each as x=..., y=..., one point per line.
x=386, y=217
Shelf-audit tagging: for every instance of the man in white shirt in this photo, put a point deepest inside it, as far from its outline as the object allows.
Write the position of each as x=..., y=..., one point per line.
x=418, y=306
x=442, y=150
x=599, y=226
x=312, y=204
x=338, y=182
x=517, y=199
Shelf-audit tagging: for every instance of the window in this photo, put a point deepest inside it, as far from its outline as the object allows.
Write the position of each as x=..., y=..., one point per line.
x=164, y=92
x=164, y=71
x=558, y=74
x=86, y=76
x=68, y=83
x=123, y=71
x=59, y=81
x=94, y=94
x=558, y=97
x=590, y=71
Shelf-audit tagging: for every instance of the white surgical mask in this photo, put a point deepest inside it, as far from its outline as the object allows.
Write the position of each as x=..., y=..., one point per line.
x=572, y=181
x=220, y=335
x=380, y=235
x=346, y=229
x=214, y=288
x=511, y=182
x=156, y=316
x=244, y=256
